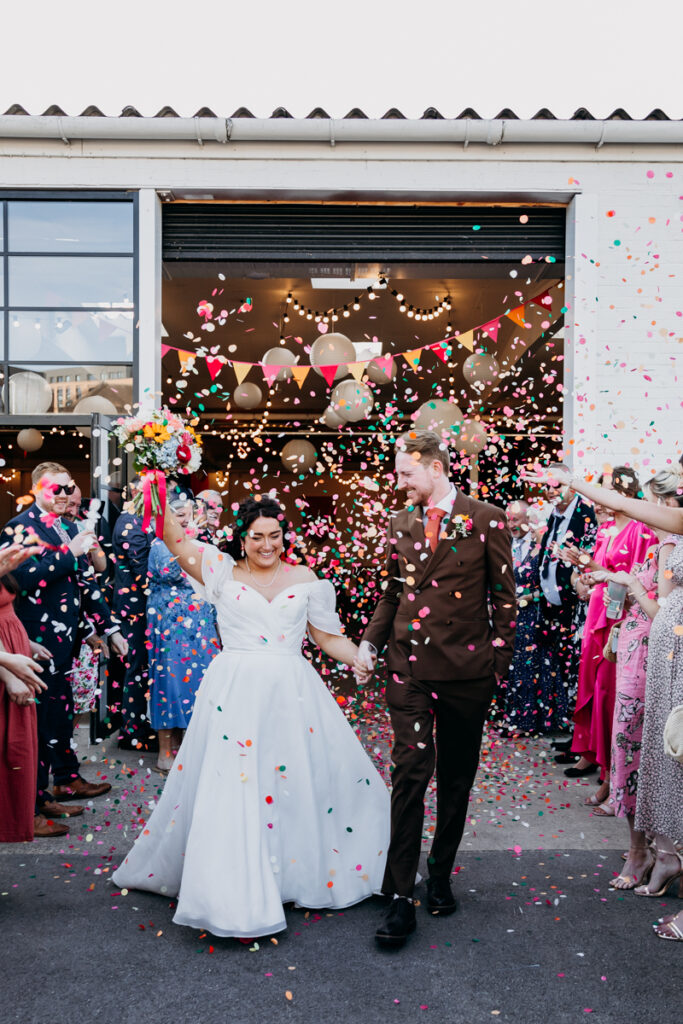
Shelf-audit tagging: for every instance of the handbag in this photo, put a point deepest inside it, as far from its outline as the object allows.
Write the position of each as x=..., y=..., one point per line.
x=609, y=652
x=673, y=734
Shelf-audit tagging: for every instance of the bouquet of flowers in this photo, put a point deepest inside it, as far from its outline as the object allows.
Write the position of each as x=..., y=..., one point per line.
x=159, y=442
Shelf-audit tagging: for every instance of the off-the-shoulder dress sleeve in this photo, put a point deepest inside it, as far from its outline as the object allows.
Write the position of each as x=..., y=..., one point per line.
x=216, y=569
x=322, y=610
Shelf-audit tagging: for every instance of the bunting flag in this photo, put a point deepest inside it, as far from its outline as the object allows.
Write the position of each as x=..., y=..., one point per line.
x=185, y=359
x=517, y=316
x=214, y=366
x=299, y=373
x=329, y=372
x=466, y=340
x=241, y=370
x=442, y=350
x=413, y=357
x=491, y=328
x=545, y=300
x=358, y=369
x=270, y=373
x=385, y=363
x=165, y=349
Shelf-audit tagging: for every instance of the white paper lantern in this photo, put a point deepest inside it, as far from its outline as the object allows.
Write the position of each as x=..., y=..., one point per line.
x=481, y=369
x=29, y=393
x=96, y=403
x=298, y=456
x=30, y=440
x=247, y=395
x=332, y=350
x=331, y=418
x=440, y=416
x=352, y=401
x=378, y=375
x=472, y=437
x=280, y=357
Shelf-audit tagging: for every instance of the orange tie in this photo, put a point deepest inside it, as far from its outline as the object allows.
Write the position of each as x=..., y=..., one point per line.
x=432, y=530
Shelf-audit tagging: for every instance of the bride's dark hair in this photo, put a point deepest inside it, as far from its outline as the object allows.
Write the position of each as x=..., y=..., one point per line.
x=251, y=509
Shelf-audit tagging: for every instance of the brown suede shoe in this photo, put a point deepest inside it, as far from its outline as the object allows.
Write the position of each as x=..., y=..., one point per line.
x=43, y=828
x=51, y=809
x=80, y=789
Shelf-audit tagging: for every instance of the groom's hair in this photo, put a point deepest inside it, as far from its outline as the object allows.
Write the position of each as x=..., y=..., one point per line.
x=428, y=445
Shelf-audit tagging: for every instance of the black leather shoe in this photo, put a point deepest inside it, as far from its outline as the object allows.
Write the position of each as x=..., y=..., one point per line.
x=562, y=746
x=565, y=758
x=578, y=773
x=398, y=924
x=440, y=899
x=146, y=744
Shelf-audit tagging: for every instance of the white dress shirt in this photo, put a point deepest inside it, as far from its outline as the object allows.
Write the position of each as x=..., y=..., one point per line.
x=549, y=579
x=446, y=504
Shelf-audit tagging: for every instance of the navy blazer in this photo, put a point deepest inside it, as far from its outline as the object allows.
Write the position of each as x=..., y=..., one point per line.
x=581, y=532
x=55, y=589
x=131, y=546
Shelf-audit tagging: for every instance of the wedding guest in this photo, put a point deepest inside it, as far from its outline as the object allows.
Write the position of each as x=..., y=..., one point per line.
x=55, y=590
x=182, y=642
x=646, y=583
x=525, y=708
x=560, y=612
x=131, y=553
x=209, y=510
x=619, y=547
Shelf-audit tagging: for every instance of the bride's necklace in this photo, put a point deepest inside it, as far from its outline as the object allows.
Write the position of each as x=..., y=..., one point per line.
x=262, y=586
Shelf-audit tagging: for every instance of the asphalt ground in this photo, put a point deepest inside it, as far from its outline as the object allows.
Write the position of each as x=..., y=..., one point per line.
x=538, y=936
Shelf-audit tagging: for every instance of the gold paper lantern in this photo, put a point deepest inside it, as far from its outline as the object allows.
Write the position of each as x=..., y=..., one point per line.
x=352, y=401
x=440, y=416
x=299, y=456
x=481, y=369
x=283, y=357
x=332, y=350
x=247, y=395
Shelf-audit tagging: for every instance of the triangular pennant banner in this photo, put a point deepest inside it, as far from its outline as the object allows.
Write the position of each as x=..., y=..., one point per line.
x=214, y=366
x=241, y=370
x=358, y=369
x=545, y=300
x=442, y=349
x=329, y=373
x=299, y=373
x=270, y=373
x=491, y=328
x=165, y=349
x=517, y=315
x=385, y=363
x=466, y=340
x=413, y=358
x=184, y=359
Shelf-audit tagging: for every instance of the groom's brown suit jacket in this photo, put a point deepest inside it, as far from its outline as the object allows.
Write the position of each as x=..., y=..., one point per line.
x=449, y=614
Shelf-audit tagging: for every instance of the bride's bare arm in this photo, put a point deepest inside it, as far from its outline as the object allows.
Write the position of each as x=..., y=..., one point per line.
x=188, y=554
x=338, y=647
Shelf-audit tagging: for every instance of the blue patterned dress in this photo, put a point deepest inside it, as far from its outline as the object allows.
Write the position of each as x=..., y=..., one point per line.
x=182, y=637
x=525, y=707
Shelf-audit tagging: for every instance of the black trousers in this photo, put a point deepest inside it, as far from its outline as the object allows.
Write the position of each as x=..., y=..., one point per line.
x=135, y=682
x=55, y=718
x=453, y=712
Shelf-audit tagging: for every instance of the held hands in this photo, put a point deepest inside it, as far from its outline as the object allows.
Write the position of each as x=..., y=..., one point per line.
x=118, y=644
x=575, y=556
x=23, y=670
x=364, y=662
x=18, y=692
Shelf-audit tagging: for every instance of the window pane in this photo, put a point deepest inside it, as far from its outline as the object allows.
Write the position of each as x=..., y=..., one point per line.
x=70, y=227
x=71, y=281
x=105, y=389
x=71, y=337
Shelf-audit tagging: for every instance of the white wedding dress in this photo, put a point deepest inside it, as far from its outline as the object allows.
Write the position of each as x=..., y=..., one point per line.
x=271, y=798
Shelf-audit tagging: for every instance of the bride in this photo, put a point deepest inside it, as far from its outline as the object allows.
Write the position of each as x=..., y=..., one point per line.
x=271, y=798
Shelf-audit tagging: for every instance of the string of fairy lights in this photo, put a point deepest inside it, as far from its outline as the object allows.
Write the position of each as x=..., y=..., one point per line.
x=333, y=315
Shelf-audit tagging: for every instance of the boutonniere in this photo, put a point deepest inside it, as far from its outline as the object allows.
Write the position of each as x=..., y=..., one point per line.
x=461, y=526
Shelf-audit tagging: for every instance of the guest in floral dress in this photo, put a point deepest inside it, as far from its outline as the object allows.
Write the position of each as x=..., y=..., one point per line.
x=182, y=640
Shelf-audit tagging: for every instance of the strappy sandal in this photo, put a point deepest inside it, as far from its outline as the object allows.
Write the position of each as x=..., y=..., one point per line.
x=644, y=890
x=667, y=928
x=631, y=879
x=160, y=771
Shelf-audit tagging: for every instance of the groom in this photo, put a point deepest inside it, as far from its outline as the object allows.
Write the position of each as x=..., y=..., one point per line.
x=447, y=619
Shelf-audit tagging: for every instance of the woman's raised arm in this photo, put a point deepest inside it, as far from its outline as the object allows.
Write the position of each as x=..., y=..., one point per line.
x=186, y=552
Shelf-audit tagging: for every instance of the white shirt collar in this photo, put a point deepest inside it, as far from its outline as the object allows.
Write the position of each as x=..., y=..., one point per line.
x=446, y=502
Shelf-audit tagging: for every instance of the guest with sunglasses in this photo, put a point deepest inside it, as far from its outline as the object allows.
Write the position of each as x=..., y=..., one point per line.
x=56, y=591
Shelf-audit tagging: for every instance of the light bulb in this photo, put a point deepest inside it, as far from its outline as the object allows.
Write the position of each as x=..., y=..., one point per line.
x=285, y=319
x=402, y=307
x=334, y=318
x=356, y=304
x=410, y=312
x=301, y=310
x=346, y=311
x=289, y=297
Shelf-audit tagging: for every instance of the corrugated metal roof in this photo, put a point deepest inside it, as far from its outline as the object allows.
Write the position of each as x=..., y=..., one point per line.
x=431, y=113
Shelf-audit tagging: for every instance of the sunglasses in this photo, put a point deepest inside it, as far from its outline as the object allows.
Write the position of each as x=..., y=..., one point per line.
x=64, y=489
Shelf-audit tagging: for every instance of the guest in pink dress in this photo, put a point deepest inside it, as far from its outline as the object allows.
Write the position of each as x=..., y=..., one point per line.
x=618, y=548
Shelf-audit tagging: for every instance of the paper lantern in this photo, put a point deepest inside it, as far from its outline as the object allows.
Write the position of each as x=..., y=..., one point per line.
x=440, y=416
x=480, y=369
x=280, y=357
x=29, y=393
x=96, y=403
x=331, y=418
x=377, y=373
x=352, y=401
x=472, y=437
x=299, y=456
x=30, y=440
x=332, y=350
x=247, y=395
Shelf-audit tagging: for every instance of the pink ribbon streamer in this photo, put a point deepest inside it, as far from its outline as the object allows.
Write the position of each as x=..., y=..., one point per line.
x=154, y=478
